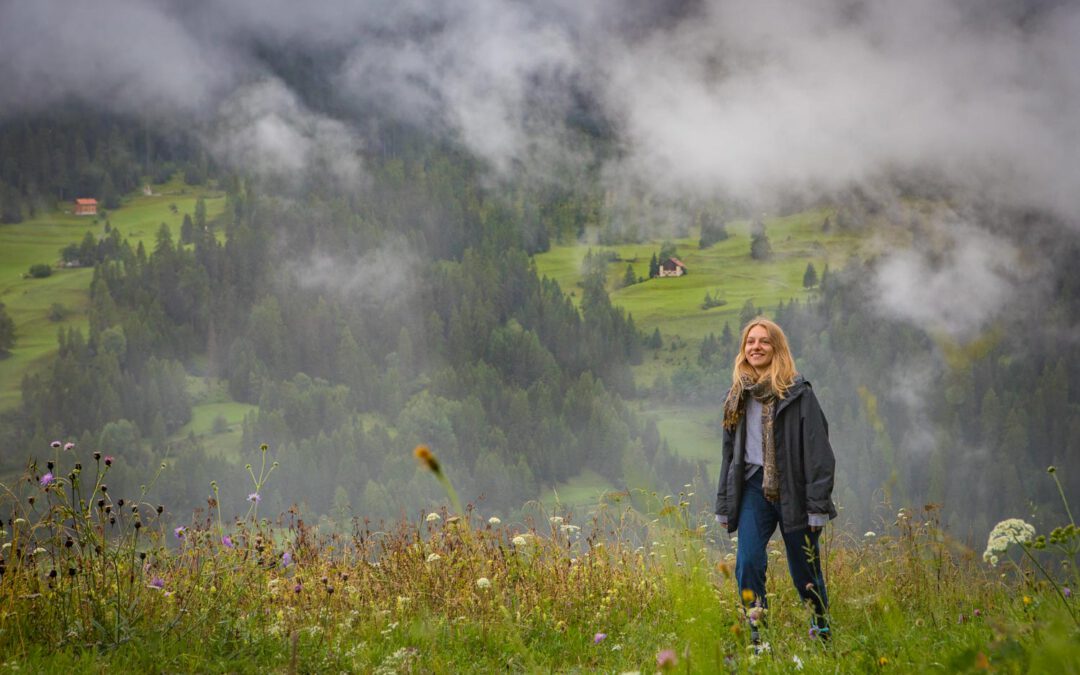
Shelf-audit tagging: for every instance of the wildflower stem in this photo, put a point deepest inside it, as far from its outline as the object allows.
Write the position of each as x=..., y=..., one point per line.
x=1063, y=499
x=1053, y=583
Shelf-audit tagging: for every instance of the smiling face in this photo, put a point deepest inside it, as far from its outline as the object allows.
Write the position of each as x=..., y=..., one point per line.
x=758, y=349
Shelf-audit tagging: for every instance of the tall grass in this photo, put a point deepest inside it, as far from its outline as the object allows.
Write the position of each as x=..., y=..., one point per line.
x=90, y=581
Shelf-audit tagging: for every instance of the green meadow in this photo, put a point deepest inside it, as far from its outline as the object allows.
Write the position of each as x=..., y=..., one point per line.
x=39, y=240
x=624, y=589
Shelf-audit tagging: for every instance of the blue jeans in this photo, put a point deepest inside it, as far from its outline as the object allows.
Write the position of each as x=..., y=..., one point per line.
x=758, y=519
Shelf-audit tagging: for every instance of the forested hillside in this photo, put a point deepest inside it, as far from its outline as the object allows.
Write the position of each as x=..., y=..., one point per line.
x=359, y=330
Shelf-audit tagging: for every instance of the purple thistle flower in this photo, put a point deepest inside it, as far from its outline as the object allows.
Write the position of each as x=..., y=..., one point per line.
x=47, y=479
x=254, y=498
x=297, y=588
x=157, y=582
x=69, y=446
x=180, y=531
x=227, y=541
x=1067, y=592
x=55, y=444
x=286, y=559
x=666, y=659
x=598, y=638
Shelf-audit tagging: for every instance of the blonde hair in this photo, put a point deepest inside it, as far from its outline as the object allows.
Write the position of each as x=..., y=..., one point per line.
x=781, y=369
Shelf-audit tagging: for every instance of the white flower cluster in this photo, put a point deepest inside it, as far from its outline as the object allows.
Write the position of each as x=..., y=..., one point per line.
x=1009, y=531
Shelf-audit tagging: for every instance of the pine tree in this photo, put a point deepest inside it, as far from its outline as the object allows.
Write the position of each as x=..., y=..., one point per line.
x=654, y=267
x=629, y=279
x=7, y=330
x=810, y=278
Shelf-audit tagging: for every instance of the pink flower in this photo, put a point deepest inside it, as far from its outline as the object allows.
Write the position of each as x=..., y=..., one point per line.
x=69, y=446
x=254, y=498
x=47, y=479
x=108, y=460
x=55, y=444
x=179, y=532
x=158, y=583
x=227, y=541
x=666, y=659
x=598, y=638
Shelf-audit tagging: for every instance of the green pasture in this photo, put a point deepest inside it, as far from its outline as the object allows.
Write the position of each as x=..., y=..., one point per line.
x=580, y=493
x=690, y=432
x=40, y=239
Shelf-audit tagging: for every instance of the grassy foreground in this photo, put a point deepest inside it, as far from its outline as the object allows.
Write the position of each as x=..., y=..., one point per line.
x=91, y=582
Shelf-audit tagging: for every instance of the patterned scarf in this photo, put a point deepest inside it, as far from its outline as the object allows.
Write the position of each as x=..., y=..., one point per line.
x=735, y=408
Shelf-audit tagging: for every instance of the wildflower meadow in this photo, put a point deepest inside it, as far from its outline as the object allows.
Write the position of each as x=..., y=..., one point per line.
x=95, y=581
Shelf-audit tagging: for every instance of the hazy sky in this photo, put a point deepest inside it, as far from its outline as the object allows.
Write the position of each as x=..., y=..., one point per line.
x=745, y=97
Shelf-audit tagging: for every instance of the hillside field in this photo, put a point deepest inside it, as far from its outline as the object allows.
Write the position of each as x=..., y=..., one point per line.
x=40, y=239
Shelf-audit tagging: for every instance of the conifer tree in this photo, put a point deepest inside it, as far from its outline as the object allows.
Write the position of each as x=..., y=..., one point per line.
x=810, y=277
x=7, y=330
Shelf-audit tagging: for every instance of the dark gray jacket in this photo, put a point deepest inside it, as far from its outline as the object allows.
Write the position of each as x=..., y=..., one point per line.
x=804, y=460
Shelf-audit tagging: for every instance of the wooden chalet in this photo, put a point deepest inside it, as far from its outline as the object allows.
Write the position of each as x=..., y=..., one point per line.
x=672, y=267
x=85, y=207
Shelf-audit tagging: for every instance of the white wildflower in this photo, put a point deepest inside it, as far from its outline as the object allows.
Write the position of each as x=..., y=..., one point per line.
x=1007, y=532
x=433, y=517
x=494, y=521
x=797, y=661
x=870, y=534
x=556, y=520
x=433, y=557
x=483, y=582
x=519, y=541
x=570, y=529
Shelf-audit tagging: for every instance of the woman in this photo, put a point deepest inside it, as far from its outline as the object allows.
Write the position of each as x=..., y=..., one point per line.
x=777, y=470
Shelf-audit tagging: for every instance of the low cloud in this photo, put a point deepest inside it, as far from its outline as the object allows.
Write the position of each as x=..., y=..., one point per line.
x=957, y=286
x=264, y=128
x=381, y=277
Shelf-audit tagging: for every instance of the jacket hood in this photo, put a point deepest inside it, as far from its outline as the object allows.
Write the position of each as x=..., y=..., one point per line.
x=796, y=390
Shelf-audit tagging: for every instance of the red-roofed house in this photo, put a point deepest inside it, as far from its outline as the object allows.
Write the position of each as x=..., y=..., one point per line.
x=672, y=267
x=86, y=207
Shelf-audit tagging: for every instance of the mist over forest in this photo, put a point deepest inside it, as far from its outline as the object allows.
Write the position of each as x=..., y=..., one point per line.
x=391, y=167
